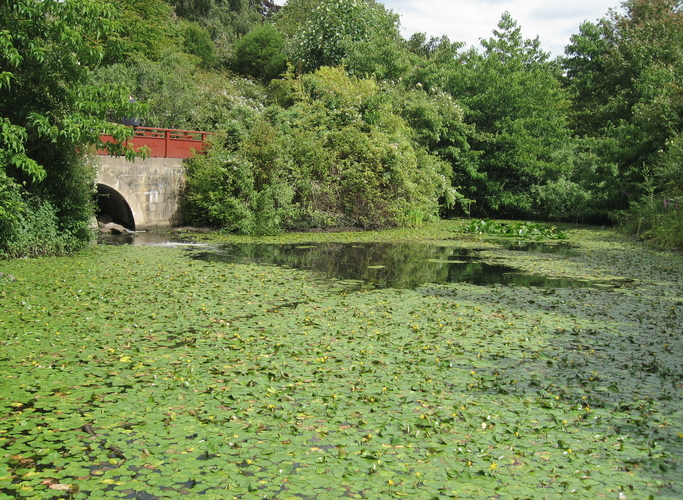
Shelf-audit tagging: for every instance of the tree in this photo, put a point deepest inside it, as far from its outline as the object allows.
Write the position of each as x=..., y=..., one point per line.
x=197, y=41
x=200, y=10
x=49, y=117
x=381, y=58
x=433, y=62
x=260, y=54
x=140, y=30
x=359, y=34
x=226, y=20
x=513, y=96
x=193, y=9
x=294, y=15
x=334, y=26
x=626, y=76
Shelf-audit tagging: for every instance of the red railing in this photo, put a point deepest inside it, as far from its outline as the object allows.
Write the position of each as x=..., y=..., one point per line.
x=164, y=142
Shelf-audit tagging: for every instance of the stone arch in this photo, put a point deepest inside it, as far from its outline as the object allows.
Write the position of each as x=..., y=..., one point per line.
x=122, y=200
x=151, y=187
x=112, y=205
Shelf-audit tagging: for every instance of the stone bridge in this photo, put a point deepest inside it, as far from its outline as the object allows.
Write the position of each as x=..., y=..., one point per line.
x=145, y=194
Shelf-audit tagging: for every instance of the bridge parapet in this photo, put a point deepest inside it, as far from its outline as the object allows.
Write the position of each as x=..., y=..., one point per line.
x=164, y=142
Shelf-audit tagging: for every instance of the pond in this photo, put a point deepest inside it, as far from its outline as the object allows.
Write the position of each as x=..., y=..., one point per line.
x=396, y=265
x=385, y=265
x=374, y=365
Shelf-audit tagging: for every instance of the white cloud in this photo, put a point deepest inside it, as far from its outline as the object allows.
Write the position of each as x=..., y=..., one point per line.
x=472, y=20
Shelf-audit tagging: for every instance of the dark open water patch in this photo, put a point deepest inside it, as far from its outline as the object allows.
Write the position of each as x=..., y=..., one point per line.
x=391, y=265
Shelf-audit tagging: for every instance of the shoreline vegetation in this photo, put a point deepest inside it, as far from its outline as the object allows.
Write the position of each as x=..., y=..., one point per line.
x=147, y=370
x=324, y=116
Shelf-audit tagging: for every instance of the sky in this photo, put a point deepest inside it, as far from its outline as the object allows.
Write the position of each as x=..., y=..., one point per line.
x=469, y=21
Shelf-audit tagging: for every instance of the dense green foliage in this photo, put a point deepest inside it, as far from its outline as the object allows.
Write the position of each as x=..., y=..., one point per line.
x=197, y=41
x=337, y=155
x=260, y=54
x=333, y=27
x=159, y=373
x=225, y=20
x=514, y=99
x=537, y=148
x=49, y=115
x=625, y=73
x=178, y=94
x=589, y=136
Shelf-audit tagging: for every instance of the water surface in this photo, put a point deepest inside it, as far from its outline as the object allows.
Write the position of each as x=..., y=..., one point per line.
x=390, y=265
x=383, y=265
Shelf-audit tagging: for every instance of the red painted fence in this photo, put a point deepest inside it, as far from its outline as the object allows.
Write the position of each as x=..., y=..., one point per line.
x=164, y=142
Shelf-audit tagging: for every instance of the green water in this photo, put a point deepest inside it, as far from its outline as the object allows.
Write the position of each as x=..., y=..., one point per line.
x=157, y=372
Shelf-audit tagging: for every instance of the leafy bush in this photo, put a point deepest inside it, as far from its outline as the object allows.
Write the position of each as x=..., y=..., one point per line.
x=561, y=199
x=29, y=226
x=55, y=217
x=226, y=190
x=197, y=41
x=657, y=219
x=520, y=230
x=324, y=161
x=34, y=232
x=260, y=54
x=178, y=94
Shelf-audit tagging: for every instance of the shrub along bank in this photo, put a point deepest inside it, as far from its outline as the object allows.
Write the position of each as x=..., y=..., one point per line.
x=336, y=154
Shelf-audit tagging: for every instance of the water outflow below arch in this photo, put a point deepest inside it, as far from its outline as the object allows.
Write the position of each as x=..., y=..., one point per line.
x=113, y=207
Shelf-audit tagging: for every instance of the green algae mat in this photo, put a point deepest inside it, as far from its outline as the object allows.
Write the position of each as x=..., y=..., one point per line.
x=149, y=373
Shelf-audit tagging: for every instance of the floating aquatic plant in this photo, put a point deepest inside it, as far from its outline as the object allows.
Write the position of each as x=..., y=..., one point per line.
x=147, y=372
x=513, y=229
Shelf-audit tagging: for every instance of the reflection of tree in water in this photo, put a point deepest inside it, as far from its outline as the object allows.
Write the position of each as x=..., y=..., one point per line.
x=385, y=265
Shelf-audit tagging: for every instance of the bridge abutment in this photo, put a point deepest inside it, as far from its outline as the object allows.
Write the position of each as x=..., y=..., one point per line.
x=151, y=189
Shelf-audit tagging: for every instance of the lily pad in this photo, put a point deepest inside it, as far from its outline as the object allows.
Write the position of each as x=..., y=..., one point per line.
x=155, y=372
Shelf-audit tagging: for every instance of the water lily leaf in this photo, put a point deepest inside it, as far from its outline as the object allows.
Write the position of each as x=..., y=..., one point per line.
x=212, y=377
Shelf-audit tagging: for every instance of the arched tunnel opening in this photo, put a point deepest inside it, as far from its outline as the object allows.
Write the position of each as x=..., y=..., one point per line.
x=113, y=207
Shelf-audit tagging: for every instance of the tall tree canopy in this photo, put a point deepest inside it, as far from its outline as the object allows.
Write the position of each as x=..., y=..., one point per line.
x=513, y=96
x=226, y=20
x=626, y=75
x=49, y=116
x=140, y=29
x=330, y=30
